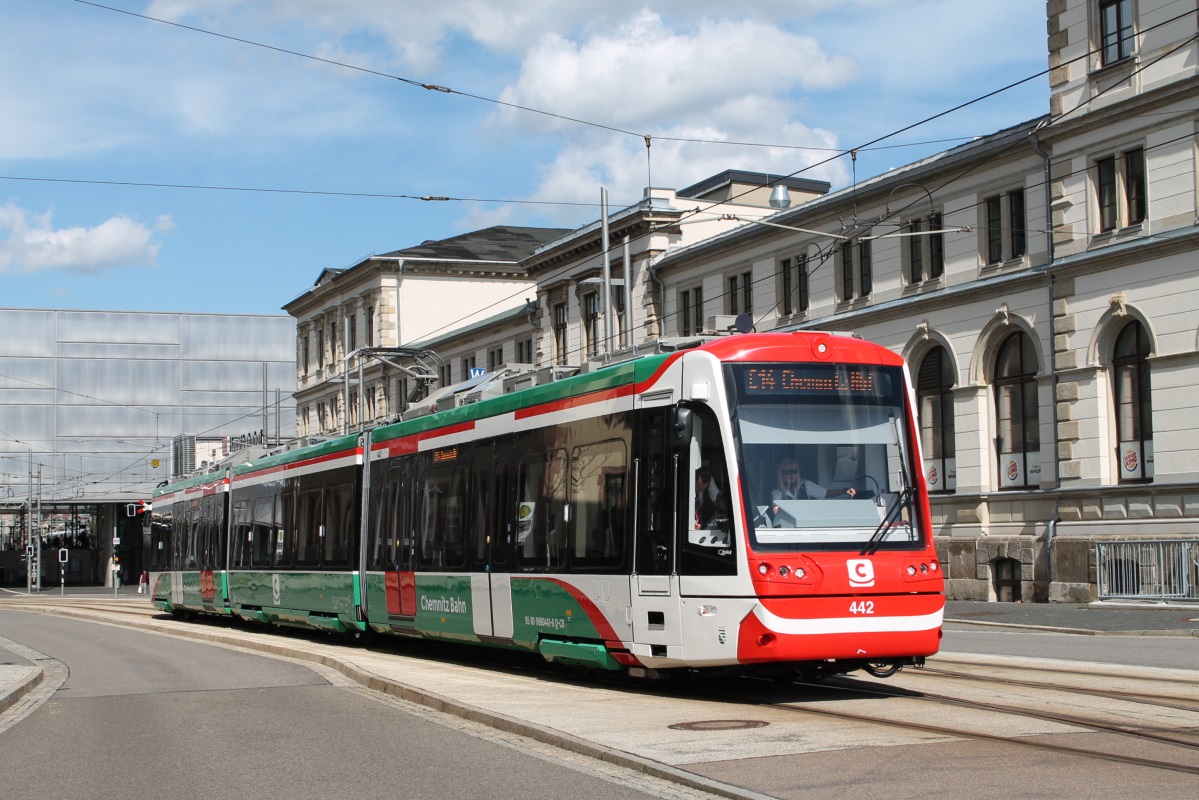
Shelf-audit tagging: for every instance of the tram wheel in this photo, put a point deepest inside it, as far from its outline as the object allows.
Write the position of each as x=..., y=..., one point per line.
x=883, y=669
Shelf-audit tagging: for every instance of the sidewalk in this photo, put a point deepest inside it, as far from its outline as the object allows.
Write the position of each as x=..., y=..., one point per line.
x=1095, y=619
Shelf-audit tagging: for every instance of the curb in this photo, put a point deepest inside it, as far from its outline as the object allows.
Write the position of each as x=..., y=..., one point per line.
x=437, y=702
x=1185, y=633
x=10, y=697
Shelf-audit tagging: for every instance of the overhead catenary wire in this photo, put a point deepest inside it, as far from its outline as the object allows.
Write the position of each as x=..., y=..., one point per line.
x=433, y=87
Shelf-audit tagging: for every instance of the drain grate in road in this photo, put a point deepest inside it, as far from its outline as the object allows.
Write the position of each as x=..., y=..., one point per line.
x=719, y=725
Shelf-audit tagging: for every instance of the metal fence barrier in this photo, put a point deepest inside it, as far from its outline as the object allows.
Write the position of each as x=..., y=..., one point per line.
x=1158, y=569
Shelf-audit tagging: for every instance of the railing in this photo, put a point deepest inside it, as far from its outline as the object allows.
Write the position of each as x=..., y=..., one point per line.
x=1154, y=569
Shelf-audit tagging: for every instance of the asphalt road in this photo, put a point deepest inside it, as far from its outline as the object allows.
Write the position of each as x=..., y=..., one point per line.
x=140, y=715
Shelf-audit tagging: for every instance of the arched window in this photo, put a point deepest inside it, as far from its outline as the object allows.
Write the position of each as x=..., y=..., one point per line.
x=1134, y=414
x=1019, y=441
x=934, y=393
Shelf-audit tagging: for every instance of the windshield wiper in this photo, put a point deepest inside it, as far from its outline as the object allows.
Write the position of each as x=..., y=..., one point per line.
x=904, y=499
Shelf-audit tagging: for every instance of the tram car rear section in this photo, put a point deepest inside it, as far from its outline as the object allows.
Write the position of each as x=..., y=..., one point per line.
x=754, y=503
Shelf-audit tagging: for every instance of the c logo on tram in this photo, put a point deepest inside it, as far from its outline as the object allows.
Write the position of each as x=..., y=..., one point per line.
x=861, y=572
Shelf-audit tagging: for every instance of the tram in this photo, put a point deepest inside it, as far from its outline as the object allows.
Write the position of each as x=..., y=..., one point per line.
x=753, y=503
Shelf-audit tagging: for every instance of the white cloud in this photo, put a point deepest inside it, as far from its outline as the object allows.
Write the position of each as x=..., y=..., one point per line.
x=646, y=74
x=34, y=245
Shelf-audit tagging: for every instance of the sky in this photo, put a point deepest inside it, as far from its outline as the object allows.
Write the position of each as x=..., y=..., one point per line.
x=214, y=156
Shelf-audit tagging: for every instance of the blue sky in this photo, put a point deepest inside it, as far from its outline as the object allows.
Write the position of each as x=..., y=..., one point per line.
x=94, y=98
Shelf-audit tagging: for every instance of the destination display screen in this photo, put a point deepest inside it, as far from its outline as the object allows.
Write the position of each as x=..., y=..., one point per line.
x=813, y=380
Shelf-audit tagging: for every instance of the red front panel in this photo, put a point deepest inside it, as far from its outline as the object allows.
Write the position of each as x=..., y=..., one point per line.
x=844, y=627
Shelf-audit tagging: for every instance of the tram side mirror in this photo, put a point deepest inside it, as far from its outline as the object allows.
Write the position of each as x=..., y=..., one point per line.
x=684, y=424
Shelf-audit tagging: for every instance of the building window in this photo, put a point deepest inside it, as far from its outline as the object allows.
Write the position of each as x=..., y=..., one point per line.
x=1016, y=221
x=1109, y=213
x=370, y=326
x=495, y=358
x=856, y=269
x=320, y=349
x=865, y=267
x=691, y=311
x=936, y=247
x=445, y=374
x=846, y=270
x=934, y=396
x=1134, y=413
x=591, y=324
x=1016, y=412
x=352, y=330
x=1004, y=228
x=322, y=416
x=740, y=296
x=332, y=344
x=560, y=333
x=1115, y=30
x=304, y=355
x=524, y=351
x=468, y=367
x=915, y=252
x=1121, y=190
x=794, y=289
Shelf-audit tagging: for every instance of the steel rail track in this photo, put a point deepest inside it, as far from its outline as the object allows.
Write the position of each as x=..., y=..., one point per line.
x=1047, y=716
x=1173, y=702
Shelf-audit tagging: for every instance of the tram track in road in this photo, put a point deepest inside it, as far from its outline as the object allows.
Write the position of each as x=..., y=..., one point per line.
x=1168, y=701
x=1030, y=713
x=838, y=688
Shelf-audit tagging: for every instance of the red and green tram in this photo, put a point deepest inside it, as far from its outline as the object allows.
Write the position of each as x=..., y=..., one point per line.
x=753, y=502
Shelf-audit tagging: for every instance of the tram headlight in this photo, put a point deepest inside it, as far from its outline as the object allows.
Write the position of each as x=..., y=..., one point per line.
x=784, y=571
x=934, y=566
x=799, y=572
x=924, y=569
x=911, y=569
x=763, y=569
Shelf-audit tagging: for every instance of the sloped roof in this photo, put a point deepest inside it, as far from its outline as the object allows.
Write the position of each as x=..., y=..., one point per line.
x=497, y=243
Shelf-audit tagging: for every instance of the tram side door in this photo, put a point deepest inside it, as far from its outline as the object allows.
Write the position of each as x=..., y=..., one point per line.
x=656, y=486
x=493, y=533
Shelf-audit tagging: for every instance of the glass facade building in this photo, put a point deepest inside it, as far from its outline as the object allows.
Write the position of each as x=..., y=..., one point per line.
x=93, y=403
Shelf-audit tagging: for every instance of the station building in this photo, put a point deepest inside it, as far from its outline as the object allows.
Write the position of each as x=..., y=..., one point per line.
x=1041, y=281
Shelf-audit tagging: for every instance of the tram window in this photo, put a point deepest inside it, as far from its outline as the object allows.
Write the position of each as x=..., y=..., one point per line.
x=501, y=508
x=161, y=540
x=597, y=495
x=403, y=515
x=338, y=525
x=263, y=527
x=442, y=535
x=379, y=513
x=243, y=535
x=541, y=491
x=481, y=496
x=285, y=531
x=707, y=537
x=310, y=521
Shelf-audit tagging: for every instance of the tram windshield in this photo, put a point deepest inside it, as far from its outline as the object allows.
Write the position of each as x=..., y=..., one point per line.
x=824, y=456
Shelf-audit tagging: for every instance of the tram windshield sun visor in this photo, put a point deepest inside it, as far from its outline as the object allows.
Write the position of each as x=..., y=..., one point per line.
x=822, y=456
